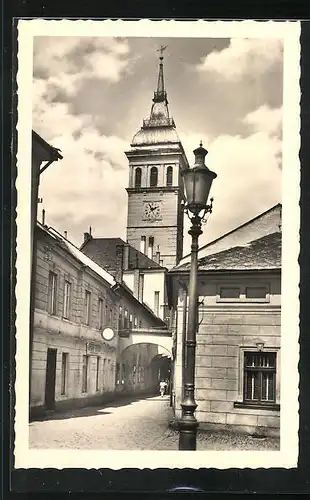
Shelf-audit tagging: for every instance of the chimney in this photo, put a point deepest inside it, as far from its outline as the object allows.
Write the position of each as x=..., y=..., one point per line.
x=158, y=255
x=126, y=257
x=43, y=217
x=87, y=237
x=119, y=263
x=66, y=234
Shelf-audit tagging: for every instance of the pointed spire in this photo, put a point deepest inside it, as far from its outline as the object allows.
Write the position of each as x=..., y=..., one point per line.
x=160, y=95
x=159, y=116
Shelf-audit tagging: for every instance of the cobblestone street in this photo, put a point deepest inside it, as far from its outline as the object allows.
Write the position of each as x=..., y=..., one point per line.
x=129, y=425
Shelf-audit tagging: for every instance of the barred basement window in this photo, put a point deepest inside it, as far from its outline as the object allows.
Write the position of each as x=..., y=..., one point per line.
x=260, y=377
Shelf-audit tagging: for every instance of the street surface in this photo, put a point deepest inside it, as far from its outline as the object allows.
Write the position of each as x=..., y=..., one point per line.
x=129, y=425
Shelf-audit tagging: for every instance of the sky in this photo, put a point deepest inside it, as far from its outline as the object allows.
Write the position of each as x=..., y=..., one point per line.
x=90, y=96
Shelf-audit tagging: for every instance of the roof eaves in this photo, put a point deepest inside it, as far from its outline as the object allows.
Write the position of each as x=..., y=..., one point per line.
x=235, y=229
x=53, y=151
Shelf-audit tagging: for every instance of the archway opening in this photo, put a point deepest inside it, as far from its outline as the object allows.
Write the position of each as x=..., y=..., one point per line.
x=141, y=368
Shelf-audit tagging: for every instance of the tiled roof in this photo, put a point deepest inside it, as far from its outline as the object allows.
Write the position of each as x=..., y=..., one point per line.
x=186, y=257
x=261, y=254
x=104, y=252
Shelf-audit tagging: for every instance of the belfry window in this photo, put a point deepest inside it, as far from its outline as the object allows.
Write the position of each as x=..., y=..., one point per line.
x=169, y=176
x=138, y=174
x=154, y=177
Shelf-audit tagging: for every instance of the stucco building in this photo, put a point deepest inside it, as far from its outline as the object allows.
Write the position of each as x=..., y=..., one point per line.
x=75, y=300
x=239, y=329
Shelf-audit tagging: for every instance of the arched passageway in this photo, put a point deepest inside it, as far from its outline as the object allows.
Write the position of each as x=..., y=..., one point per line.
x=141, y=367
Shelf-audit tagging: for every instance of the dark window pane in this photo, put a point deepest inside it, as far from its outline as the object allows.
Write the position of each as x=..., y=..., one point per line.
x=138, y=177
x=154, y=176
x=258, y=292
x=169, y=176
x=229, y=293
x=268, y=386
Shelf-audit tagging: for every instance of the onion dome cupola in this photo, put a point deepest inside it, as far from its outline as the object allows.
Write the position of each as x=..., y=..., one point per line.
x=159, y=128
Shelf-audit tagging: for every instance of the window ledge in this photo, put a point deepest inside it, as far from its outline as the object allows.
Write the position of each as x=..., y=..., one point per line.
x=258, y=406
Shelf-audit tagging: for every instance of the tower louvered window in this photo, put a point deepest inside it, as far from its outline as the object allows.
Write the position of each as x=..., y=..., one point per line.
x=169, y=176
x=138, y=174
x=154, y=177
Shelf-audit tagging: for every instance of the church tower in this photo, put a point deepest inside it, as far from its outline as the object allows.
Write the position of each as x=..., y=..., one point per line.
x=155, y=191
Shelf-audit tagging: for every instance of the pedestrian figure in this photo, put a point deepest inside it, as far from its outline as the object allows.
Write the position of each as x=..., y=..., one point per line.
x=162, y=388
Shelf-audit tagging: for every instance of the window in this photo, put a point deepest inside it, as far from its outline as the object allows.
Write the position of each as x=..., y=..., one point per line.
x=67, y=299
x=100, y=313
x=64, y=371
x=123, y=373
x=87, y=307
x=258, y=292
x=111, y=318
x=143, y=244
x=97, y=373
x=138, y=173
x=259, y=377
x=135, y=322
x=140, y=323
x=156, y=303
x=154, y=177
x=117, y=375
x=229, y=292
x=141, y=287
x=120, y=318
x=130, y=321
x=85, y=373
x=104, y=372
x=150, y=247
x=52, y=293
x=243, y=292
x=169, y=176
x=126, y=319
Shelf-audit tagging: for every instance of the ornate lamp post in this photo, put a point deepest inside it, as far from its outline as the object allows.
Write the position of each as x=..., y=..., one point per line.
x=197, y=183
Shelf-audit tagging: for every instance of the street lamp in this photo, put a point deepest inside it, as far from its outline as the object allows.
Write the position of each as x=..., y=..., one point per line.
x=197, y=183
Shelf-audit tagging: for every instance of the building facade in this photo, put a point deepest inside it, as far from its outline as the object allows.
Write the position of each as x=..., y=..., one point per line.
x=75, y=301
x=237, y=380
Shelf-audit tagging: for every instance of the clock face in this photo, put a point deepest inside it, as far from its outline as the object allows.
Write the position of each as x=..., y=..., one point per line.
x=151, y=210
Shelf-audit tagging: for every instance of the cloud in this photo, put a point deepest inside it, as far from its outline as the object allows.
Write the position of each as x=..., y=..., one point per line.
x=248, y=180
x=87, y=187
x=244, y=56
x=66, y=62
x=265, y=119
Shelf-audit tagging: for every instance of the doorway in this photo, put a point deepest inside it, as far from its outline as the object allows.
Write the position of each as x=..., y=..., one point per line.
x=50, y=379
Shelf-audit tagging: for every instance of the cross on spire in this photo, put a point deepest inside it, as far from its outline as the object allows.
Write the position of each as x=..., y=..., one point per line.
x=161, y=50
